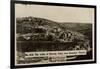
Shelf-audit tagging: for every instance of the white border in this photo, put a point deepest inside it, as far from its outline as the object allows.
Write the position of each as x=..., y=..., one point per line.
x=93, y=32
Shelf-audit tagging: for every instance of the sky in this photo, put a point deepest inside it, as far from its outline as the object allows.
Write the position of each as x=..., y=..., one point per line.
x=56, y=13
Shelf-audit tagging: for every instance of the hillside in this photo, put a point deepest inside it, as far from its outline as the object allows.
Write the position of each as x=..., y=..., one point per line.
x=34, y=21
x=26, y=25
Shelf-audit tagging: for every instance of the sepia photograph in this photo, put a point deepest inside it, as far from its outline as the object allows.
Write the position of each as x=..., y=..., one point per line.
x=52, y=33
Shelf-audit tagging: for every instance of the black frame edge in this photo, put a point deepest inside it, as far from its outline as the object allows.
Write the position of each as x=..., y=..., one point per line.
x=53, y=4
x=12, y=19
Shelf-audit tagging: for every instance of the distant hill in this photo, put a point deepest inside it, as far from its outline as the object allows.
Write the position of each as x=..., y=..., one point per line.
x=27, y=23
x=76, y=26
x=31, y=22
x=34, y=21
